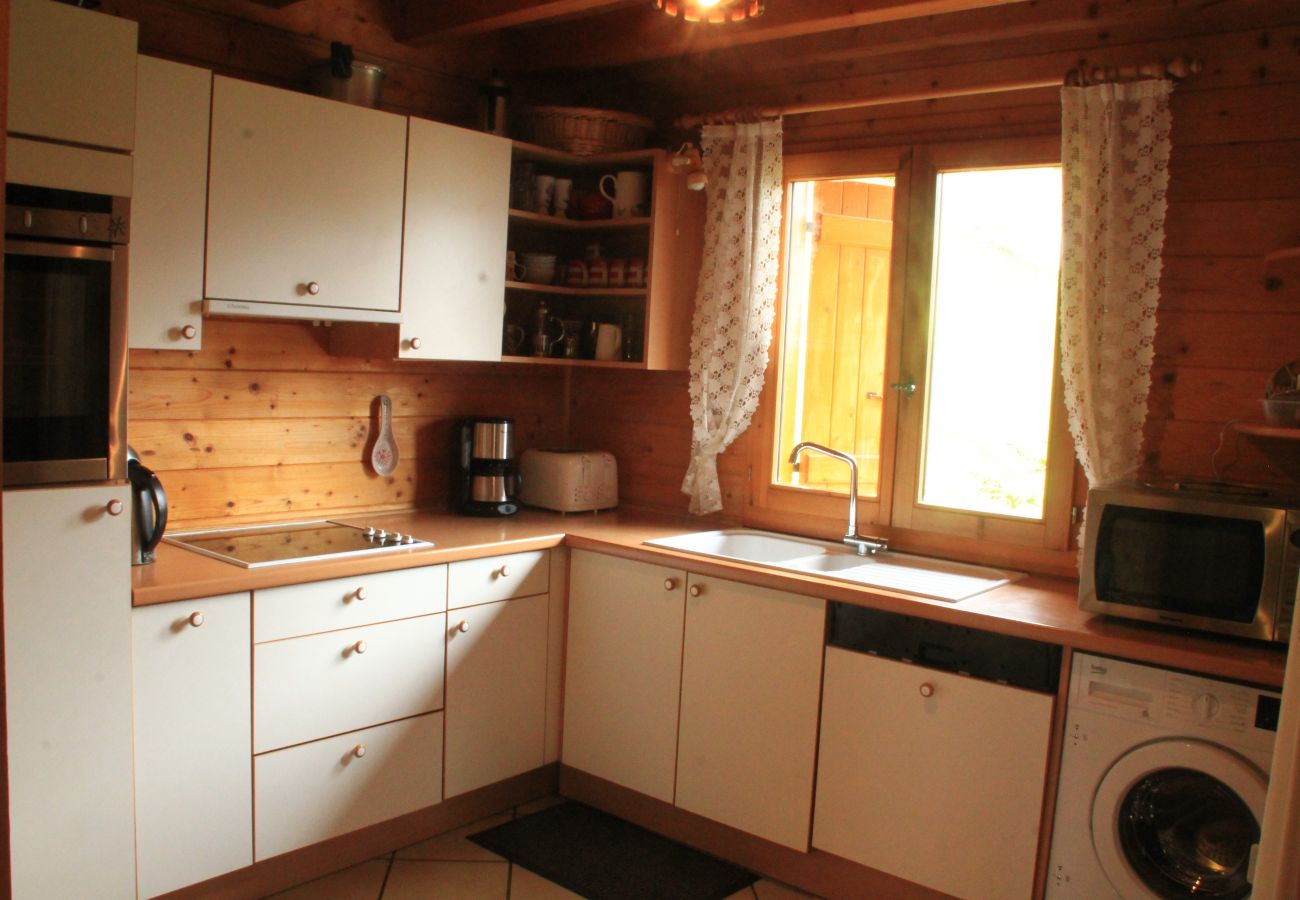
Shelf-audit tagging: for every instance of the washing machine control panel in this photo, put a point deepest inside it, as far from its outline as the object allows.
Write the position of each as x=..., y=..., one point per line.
x=1227, y=713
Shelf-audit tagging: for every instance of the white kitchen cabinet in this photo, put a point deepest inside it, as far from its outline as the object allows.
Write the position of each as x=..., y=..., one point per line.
x=495, y=578
x=454, y=243
x=304, y=204
x=193, y=741
x=322, y=684
x=86, y=60
x=319, y=790
x=67, y=633
x=623, y=671
x=337, y=603
x=496, y=691
x=931, y=776
x=751, y=685
x=169, y=205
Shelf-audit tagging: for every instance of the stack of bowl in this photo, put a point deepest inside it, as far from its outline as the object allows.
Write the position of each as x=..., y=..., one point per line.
x=539, y=268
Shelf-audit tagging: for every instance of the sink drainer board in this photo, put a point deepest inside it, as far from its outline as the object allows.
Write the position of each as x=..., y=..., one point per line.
x=923, y=576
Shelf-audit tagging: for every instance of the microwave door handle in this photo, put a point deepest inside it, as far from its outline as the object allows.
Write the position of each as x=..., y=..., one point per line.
x=60, y=251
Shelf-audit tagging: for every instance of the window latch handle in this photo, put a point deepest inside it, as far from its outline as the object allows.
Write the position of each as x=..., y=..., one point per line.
x=906, y=388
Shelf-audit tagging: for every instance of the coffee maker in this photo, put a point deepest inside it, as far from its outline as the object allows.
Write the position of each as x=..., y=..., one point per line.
x=487, y=479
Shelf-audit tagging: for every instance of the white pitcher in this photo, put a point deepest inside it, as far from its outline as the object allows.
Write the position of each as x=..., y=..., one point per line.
x=629, y=196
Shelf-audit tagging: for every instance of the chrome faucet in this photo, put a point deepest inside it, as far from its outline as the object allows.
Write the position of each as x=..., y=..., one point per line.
x=862, y=544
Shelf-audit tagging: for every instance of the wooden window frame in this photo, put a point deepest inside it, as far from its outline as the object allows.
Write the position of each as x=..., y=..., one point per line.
x=1044, y=545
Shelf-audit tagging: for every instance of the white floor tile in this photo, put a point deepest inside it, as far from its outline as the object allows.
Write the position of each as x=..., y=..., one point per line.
x=526, y=885
x=774, y=890
x=361, y=882
x=454, y=846
x=412, y=879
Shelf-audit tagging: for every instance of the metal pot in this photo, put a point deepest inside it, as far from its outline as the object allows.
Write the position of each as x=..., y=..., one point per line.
x=362, y=87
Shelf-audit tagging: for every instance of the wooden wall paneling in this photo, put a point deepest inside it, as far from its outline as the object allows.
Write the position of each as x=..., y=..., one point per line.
x=1227, y=339
x=1201, y=172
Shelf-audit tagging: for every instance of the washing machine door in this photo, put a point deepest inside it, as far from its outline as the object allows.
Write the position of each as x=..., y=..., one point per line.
x=1176, y=819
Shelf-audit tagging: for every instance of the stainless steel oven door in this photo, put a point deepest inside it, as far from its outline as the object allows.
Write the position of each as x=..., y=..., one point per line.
x=64, y=362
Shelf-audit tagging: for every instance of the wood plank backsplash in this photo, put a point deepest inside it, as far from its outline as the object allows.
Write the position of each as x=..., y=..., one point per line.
x=263, y=424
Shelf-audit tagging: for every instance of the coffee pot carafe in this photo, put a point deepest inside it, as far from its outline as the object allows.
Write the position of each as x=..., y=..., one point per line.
x=486, y=477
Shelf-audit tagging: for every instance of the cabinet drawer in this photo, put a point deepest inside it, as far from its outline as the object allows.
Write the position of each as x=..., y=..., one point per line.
x=310, y=687
x=318, y=606
x=320, y=790
x=497, y=578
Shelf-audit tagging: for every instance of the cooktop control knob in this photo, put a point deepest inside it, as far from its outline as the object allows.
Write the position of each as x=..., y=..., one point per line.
x=409, y=539
x=370, y=532
x=395, y=537
x=381, y=535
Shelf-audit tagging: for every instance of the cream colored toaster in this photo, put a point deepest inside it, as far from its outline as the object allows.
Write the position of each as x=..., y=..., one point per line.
x=568, y=480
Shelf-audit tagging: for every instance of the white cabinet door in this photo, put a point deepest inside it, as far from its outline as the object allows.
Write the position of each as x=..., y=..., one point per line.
x=193, y=741
x=944, y=790
x=454, y=248
x=84, y=59
x=305, y=194
x=623, y=671
x=169, y=205
x=751, y=683
x=67, y=632
x=496, y=691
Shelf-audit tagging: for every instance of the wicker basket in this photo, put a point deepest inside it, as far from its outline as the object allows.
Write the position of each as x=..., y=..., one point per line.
x=586, y=131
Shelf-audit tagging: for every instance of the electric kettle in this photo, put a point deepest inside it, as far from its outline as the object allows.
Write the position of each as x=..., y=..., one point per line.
x=148, y=509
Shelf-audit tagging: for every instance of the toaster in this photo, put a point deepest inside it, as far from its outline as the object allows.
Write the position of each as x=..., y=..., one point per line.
x=568, y=480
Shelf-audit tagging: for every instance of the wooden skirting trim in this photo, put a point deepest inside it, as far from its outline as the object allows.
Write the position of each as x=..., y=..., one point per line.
x=289, y=869
x=821, y=873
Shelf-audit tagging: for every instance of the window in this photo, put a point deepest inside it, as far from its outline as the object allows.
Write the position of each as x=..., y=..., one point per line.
x=917, y=332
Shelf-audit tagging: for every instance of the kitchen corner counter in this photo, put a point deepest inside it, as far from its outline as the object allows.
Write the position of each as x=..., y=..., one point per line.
x=1037, y=607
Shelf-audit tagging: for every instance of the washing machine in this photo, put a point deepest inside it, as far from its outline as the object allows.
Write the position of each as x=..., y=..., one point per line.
x=1163, y=777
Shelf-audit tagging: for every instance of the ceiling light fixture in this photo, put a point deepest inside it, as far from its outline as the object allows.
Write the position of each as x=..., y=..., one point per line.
x=711, y=11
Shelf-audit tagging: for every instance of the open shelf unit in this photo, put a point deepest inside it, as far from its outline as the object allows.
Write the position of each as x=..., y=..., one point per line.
x=655, y=318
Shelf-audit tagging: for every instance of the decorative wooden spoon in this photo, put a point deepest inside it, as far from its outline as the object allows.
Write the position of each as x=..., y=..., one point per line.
x=383, y=456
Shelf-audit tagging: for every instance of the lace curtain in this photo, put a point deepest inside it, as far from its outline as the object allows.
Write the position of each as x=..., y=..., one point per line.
x=1115, y=153
x=734, y=305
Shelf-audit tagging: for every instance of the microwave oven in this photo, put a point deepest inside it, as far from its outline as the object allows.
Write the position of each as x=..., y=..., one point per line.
x=1216, y=560
x=65, y=355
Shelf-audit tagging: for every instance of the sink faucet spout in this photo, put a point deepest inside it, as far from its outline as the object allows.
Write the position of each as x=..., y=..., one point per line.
x=864, y=545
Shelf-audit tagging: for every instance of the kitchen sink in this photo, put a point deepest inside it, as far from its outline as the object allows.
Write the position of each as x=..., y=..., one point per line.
x=923, y=576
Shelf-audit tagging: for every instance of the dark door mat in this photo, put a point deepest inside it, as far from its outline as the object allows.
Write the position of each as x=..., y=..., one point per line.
x=604, y=858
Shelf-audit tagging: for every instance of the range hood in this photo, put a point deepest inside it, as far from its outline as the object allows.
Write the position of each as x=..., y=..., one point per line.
x=257, y=309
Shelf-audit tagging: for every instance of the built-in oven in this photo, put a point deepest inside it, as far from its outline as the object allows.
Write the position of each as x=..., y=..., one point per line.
x=64, y=336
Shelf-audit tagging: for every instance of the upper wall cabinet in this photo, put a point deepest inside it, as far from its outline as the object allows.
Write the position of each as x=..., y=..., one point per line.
x=85, y=59
x=169, y=205
x=304, y=206
x=453, y=268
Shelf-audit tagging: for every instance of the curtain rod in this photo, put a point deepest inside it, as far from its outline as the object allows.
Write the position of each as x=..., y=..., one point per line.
x=1178, y=68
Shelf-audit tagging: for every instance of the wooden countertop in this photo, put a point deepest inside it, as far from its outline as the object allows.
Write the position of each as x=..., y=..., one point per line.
x=1040, y=608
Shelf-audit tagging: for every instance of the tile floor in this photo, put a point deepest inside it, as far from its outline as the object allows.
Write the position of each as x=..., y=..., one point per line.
x=451, y=867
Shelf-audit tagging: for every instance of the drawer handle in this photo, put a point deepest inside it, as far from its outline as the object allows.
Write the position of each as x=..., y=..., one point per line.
x=359, y=750
x=361, y=593
x=927, y=689
x=189, y=332
x=462, y=627
x=312, y=288
x=196, y=619
x=696, y=590
x=670, y=584
x=416, y=343
x=504, y=571
x=115, y=507
x=359, y=647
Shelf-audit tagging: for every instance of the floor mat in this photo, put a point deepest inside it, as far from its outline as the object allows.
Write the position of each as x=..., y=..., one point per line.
x=602, y=857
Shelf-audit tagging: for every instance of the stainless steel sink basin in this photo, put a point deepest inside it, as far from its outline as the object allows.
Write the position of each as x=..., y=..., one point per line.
x=925, y=577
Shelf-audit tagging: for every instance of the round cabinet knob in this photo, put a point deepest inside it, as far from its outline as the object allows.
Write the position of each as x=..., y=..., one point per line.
x=359, y=647
x=670, y=584
x=504, y=571
x=196, y=619
x=189, y=332
x=927, y=689
x=416, y=343
x=696, y=590
x=313, y=288
x=115, y=507
x=463, y=627
x=361, y=593
x=359, y=750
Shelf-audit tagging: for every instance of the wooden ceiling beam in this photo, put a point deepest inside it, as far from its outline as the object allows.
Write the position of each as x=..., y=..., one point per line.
x=637, y=36
x=423, y=22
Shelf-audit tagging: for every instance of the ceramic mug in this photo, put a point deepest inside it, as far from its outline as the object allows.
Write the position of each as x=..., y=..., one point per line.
x=629, y=196
x=545, y=187
x=609, y=341
x=563, y=188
